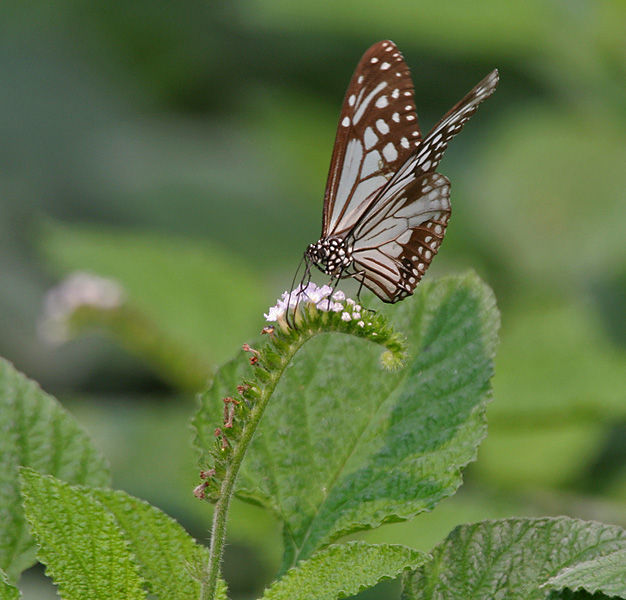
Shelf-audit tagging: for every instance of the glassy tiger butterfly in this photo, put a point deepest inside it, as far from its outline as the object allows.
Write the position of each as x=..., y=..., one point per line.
x=385, y=209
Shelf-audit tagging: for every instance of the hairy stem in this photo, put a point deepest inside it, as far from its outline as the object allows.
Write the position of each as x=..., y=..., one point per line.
x=218, y=531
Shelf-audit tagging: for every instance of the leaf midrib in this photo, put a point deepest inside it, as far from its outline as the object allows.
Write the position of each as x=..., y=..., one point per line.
x=330, y=483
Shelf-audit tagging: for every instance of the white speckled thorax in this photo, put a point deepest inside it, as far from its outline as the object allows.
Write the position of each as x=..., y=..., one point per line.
x=331, y=256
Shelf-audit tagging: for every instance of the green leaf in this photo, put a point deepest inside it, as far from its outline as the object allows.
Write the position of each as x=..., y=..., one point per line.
x=7, y=591
x=558, y=381
x=198, y=294
x=606, y=574
x=487, y=26
x=168, y=557
x=82, y=546
x=36, y=432
x=578, y=158
x=509, y=559
x=346, y=446
x=343, y=570
x=579, y=595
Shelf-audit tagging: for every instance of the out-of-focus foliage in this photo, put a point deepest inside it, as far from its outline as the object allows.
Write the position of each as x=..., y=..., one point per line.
x=214, y=121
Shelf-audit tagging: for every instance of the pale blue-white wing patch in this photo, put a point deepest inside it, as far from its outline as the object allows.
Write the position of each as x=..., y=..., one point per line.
x=393, y=246
x=378, y=130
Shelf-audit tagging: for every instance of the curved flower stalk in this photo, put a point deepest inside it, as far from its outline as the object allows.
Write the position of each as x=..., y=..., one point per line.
x=314, y=310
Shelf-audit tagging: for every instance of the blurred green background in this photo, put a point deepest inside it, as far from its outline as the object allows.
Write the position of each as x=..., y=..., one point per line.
x=182, y=149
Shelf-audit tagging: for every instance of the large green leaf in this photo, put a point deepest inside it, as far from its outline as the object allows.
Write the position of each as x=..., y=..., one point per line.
x=7, y=591
x=537, y=182
x=345, y=446
x=477, y=27
x=80, y=542
x=36, y=432
x=195, y=292
x=606, y=574
x=168, y=558
x=559, y=382
x=343, y=570
x=511, y=559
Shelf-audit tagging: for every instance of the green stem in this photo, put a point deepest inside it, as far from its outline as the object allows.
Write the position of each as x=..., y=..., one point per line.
x=218, y=531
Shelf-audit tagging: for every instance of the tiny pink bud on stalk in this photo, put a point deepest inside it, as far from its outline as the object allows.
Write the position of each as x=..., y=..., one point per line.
x=198, y=491
x=207, y=474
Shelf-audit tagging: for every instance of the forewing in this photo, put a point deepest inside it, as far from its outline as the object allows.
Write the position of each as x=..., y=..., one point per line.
x=394, y=246
x=378, y=130
x=430, y=151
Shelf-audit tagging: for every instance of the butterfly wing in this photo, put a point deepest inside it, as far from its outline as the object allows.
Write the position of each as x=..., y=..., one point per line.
x=400, y=232
x=393, y=249
x=430, y=151
x=378, y=130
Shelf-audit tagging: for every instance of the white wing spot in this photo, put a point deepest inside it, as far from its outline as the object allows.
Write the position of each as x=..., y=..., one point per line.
x=404, y=142
x=346, y=121
x=426, y=165
x=438, y=229
x=395, y=93
x=408, y=107
x=370, y=138
x=433, y=245
x=384, y=66
x=407, y=93
x=360, y=79
x=352, y=100
x=410, y=117
x=396, y=117
x=420, y=266
x=428, y=238
x=414, y=257
x=415, y=133
x=390, y=152
x=374, y=60
x=411, y=279
x=370, y=164
x=398, y=74
x=382, y=102
x=382, y=126
x=427, y=254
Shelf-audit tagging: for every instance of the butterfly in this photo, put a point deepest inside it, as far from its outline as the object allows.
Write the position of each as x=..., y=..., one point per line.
x=385, y=208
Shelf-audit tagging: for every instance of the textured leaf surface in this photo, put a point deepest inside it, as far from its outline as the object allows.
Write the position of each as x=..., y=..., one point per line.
x=509, y=559
x=345, y=446
x=343, y=570
x=82, y=546
x=168, y=557
x=606, y=574
x=7, y=591
x=35, y=431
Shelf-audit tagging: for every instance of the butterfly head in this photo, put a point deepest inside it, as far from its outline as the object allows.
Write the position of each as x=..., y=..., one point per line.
x=330, y=255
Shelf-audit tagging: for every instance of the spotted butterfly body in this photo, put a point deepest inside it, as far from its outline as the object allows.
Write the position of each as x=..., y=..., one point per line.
x=385, y=208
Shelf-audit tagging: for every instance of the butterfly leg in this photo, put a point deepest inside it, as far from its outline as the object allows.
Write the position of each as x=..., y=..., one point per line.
x=361, y=276
x=305, y=277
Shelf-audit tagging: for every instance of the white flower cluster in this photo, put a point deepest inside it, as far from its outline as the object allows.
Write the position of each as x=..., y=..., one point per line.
x=321, y=297
x=76, y=290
